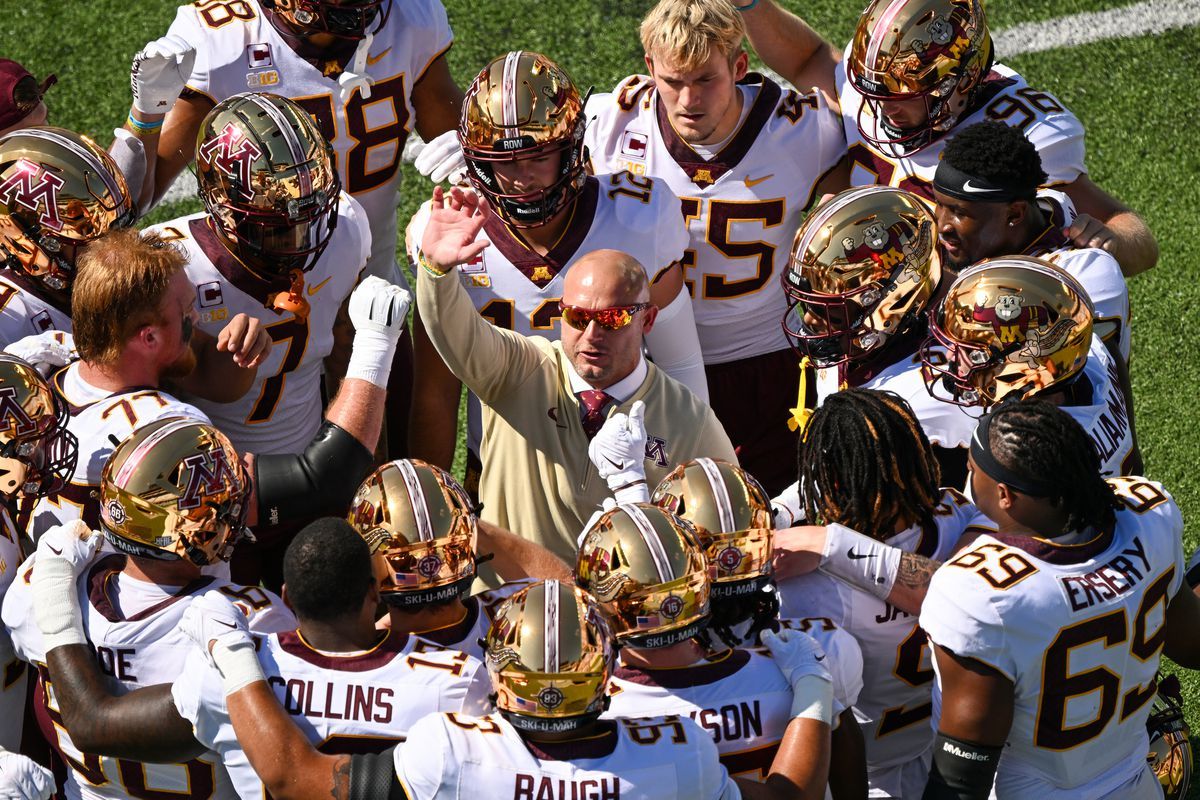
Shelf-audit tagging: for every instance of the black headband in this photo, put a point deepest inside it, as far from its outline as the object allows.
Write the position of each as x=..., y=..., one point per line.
x=985, y=462
x=956, y=183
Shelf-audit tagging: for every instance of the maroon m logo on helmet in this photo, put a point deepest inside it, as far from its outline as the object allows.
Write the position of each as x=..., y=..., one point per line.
x=12, y=415
x=231, y=152
x=30, y=185
x=208, y=474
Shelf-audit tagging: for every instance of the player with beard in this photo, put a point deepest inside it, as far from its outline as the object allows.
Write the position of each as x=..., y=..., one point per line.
x=916, y=72
x=746, y=158
x=355, y=688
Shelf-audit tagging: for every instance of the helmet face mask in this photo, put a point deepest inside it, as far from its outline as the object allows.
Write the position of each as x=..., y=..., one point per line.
x=1012, y=326
x=936, y=51
x=862, y=269
x=175, y=489
x=523, y=106
x=58, y=191
x=421, y=530
x=267, y=180
x=351, y=19
x=37, y=453
x=550, y=655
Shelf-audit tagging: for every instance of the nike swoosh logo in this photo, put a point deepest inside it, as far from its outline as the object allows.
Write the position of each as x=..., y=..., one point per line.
x=229, y=625
x=857, y=556
x=314, y=289
x=752, y=182
x=967, y=187
x=818, y=658
x=54, y=550
x=372, y=60
x=614, y=463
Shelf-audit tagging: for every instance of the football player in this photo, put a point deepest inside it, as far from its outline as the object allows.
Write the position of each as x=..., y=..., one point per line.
x=550, y=656
x=173, y=500
x=1047, y=634
x=865, y=465
x=650, y=577
x=425, y=543
x=917, y=71
x=357, y=689
x=746, y=158
x=546, y=212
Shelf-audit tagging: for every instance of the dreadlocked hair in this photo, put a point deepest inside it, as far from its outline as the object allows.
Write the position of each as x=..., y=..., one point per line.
x=865, y=463
x=1038, y=439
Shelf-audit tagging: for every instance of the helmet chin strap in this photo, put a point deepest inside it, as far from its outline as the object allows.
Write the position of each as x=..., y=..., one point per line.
x=355, y=75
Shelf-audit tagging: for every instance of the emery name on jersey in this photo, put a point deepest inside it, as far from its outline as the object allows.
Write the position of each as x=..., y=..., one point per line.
x=742, y=206
x=133, y=626
x=893, y=707
x=282, y=410
x=344, y=702
x=238, y=50
x=1004, y=96
x=449, y=757
x=100, y=420
x=1078, y=631
x=24, y=311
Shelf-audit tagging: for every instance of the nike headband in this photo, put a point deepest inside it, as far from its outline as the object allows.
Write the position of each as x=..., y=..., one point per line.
x=985, y=462
x=954, y=182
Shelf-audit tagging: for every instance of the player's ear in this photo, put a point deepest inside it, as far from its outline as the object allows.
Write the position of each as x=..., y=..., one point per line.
x=1016, y=213
x=1005, y=496
x=283, y=594
x=741, y=64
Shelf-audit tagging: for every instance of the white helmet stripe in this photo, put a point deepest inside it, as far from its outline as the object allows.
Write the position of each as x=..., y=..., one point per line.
x=720, y=493
x=140, y=452
x=881, y=28
x=295, y=147
x=818, y=221
x=87, y=156
x=416, y=499
x=508, y=91
x=550, y=632
x=658, y=554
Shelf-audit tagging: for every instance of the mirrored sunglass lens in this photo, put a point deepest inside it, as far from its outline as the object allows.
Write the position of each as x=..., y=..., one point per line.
x=613, y=318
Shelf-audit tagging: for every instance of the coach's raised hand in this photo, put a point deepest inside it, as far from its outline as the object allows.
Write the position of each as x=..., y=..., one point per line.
x=455, y=219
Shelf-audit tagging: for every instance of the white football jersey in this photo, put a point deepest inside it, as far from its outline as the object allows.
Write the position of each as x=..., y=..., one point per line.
x=344, y=702
x=467, y=634
x=519, y=290
x=449, y=757
x=238, y=50
x=742, y=206
x=133, y=626
x=1079, y=632
x=23, y=312
x=282, y=410
x=893, y=707
x=13, y=681
x=1004, y=97
x=100, y=420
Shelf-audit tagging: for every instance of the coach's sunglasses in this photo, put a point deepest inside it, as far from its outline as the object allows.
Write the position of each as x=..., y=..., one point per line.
x=611, y=319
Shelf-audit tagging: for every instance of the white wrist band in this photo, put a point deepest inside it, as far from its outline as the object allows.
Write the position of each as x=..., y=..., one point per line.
x=238, y=664
x=636, y=492
x=371, y=356
x=812, y=698
x=57, y=613
x=860, y=561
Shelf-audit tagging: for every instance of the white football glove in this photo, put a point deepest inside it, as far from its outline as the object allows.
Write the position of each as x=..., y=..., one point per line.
x=45, y=351
x=63, y=553
x=442, y=159
x=159, y=73
x=618, y=451
x=23, y=779
x=216, y=625
x=378, y=310
x=786, y=507
x=805, y=666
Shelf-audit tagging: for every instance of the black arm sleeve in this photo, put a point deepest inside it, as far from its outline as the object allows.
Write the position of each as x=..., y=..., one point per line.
x=373, y=777
x=961, y=770
x=319, y=482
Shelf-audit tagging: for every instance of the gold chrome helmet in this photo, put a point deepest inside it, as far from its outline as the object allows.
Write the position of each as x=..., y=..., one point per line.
x=862, y=269
x=646, y=569
x=1170, y=755
x=174, y=489
x=550, y=653
x=522, y=106
x=421, y=530
x=37, y=452
x=58, y=191
x=1008, y=325
x=268, y=182
x=936, y=50
x=345, y=19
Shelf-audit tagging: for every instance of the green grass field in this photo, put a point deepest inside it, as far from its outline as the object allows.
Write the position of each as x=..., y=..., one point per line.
x=1131, y=94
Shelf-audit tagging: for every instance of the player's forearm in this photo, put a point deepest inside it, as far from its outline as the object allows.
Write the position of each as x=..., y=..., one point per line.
x=516, y=557
x=847, y=759
x=912, y=582
x=789, y=46
x=142, y=725
x=286, y=761
x=358, y=409
x=1134, y=247
x=801, y=766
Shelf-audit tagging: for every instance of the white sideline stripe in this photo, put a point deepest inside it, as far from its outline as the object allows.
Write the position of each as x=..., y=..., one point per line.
x=1125, y=22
